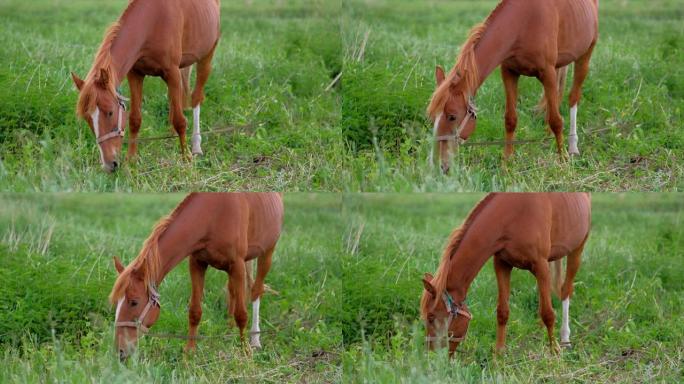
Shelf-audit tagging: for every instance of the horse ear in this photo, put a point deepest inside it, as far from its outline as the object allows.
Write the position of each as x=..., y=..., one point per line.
x=427, y=283
x=439, y=75
x=77, y=81
x=117, y=264
x=102, y=78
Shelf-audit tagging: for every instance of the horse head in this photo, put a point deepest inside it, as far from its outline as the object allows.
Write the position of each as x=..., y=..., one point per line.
x=137, y=308
x=104, y=109
x=446, y=321
x=455, y=119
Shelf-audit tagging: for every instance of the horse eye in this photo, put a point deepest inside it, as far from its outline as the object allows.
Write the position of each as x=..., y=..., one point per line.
x=134, y=303
x=451, y=117
x=431, y=318
x=110, y=113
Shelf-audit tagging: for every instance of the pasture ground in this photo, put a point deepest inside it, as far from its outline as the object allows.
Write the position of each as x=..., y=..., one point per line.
x=625, y=314
x=56, y=273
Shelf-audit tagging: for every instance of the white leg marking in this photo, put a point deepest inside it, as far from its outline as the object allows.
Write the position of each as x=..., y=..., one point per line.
x=254, y=339
x=118, y=307
x=565, y=328
x=434, y=143
x=196, y=136
x=95, y=116
x=572, y=137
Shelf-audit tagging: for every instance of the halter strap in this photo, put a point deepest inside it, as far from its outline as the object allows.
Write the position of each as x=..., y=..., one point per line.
x=119, y=132
x=471, y=112
x=138, y=322
x=455, y=309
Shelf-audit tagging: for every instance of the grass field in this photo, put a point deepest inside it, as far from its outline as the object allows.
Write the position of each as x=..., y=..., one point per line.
x=274, y=63
x=625, y=315
x=630, y=119
x=56, y=273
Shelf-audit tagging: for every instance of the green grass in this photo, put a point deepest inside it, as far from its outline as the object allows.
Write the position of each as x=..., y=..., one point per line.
x=271, y=68
x=630, y=119
x=56, y=272
x=625, y=313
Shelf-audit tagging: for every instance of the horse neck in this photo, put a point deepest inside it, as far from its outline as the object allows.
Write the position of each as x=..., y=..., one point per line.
x=496, y=43
x=127, y=44
x=180, y=239
x=479, y=243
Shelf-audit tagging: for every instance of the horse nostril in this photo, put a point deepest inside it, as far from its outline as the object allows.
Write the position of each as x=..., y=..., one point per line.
x=122, y=355
x=114, y=165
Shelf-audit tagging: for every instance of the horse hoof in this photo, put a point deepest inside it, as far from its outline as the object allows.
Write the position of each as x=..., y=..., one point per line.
x=566, y=345
x=197, y=152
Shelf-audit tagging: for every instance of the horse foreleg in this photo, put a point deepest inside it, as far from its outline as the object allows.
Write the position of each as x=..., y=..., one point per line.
x=135, y=83
x=203, y=71
x=553, y=117
x=173, y=80
x=543, y=274
x=197, y=272
x=503, y=279
x=237, y=287
x=573, y=264
x=581, y=72
x=510, y=80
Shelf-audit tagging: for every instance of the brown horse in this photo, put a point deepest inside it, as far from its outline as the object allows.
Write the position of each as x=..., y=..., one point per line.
x=532, y=231
x=151, y=38
x=222, y=230
x=531, y=38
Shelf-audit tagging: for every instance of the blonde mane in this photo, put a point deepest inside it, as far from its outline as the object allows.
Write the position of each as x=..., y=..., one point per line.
x=439, y=281
x=464, y=75
x=102, y=65
x=148, y=262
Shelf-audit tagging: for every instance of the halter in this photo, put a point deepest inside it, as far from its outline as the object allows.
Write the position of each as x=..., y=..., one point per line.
x=471, y=113
x=454, y=310
x=119, y=132
x=138, y=323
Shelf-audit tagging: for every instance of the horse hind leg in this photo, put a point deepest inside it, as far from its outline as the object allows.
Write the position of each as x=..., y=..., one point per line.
x=203, y=71
x=581, y=72
x=573, y=264
x=263, y=266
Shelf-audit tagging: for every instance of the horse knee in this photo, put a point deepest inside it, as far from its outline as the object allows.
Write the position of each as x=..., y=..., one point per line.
x=502, y=315
x=134, y=121
x=180, y=123
x=511, y=122
x=194, y=316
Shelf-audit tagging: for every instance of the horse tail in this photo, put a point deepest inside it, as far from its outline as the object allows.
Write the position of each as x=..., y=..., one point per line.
x=556, y=276
x=562, y=74
x=187, y=94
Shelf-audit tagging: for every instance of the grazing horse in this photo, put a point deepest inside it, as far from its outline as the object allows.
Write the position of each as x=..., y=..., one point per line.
x=151, y=38
x=531, y=38
x=531, y=231
x=222, y=230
